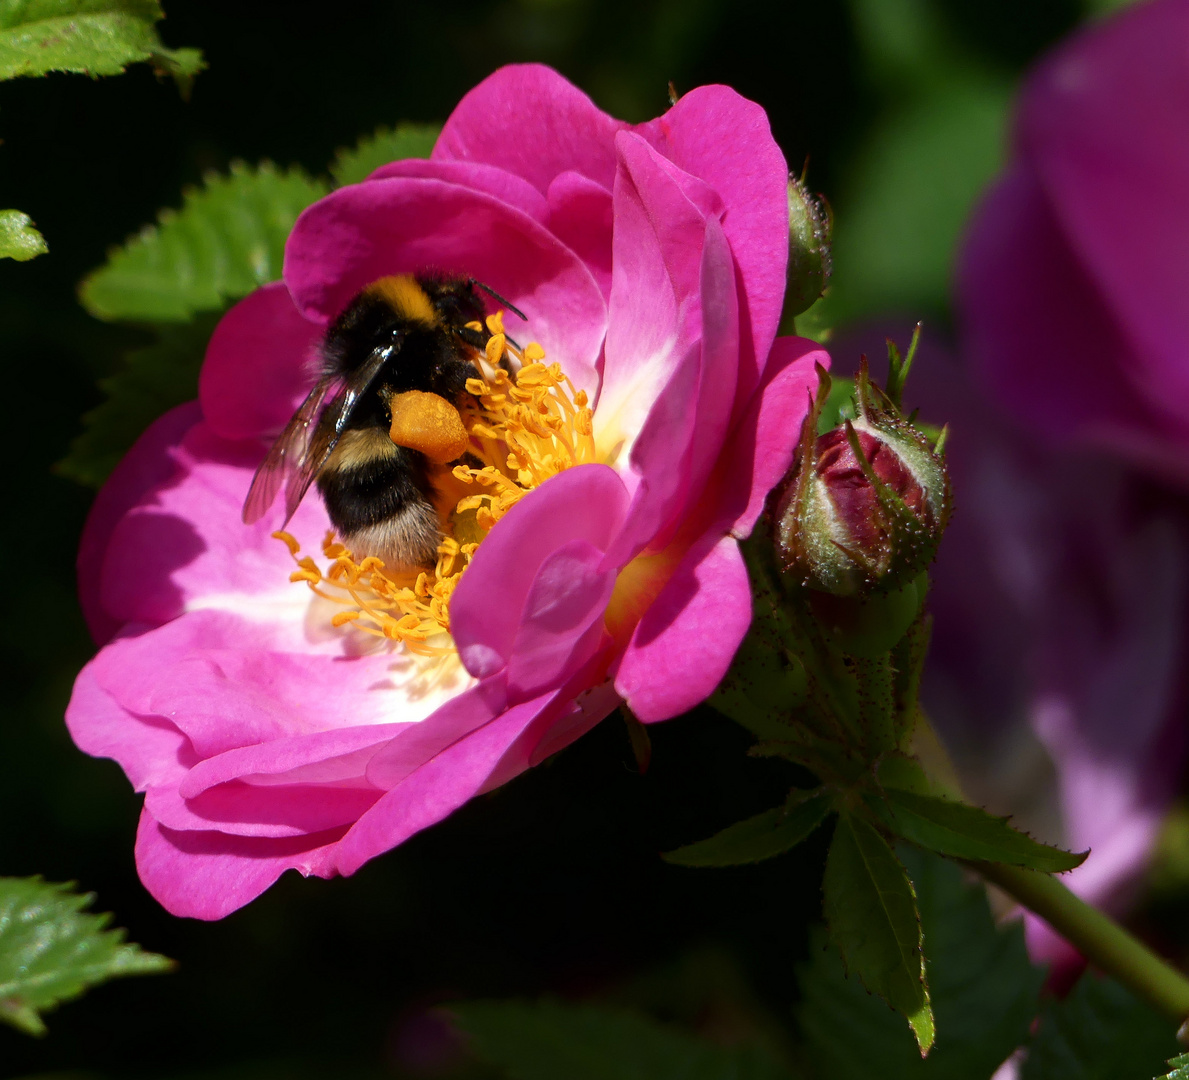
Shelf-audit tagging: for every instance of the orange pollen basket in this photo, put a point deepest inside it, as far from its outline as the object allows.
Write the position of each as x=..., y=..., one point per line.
x=523, y=428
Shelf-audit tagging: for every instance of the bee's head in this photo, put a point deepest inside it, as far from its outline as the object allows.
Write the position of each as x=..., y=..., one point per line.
x=455, y=300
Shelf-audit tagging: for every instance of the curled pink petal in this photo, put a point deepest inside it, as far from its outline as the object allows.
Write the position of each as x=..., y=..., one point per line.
x=687, y=638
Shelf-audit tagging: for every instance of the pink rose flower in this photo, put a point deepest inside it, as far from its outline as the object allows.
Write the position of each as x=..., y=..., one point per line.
x=650, y=262
x=1074, y=277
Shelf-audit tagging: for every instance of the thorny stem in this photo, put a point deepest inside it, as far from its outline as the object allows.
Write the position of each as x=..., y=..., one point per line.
x=1096, y=936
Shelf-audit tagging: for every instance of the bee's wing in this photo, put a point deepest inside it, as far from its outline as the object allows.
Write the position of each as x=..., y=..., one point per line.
x=285, y=455
x=330, y=426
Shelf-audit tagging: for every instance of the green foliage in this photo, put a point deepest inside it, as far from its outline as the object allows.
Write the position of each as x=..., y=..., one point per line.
x=51, y=950
x=1178, y=1068
x=387, y=144
x=549, y=1040
x=18, y=239
x=1099, y=1032
x=153, y=380
x=966, y=832
x=761, y=837
x=870, y=909
x=87, y=37
x=982, y=984
x=227, y=239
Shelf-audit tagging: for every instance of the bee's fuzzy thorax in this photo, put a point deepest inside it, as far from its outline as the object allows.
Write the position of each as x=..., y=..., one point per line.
x=407, y=298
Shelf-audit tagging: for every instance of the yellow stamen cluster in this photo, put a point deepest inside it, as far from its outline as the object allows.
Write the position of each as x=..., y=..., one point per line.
x=524, y=428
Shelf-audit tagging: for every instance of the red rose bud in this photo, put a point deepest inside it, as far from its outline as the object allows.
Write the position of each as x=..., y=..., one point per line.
x=866, y=503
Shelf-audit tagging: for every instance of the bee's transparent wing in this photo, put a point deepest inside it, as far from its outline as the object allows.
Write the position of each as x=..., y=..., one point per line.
x=286, y=455
x=331, y=424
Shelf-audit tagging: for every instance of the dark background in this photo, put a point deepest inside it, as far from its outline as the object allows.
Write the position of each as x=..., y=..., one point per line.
x=553, y=883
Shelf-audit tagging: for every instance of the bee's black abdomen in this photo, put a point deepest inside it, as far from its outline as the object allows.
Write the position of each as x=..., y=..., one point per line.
x=371, y=492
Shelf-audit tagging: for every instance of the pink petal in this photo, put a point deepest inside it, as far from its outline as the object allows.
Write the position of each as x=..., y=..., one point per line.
x=687, y=638
x=688, y=422
x=259, y=365
x=580, y=215
x=655, y=312
x=145, y=467
x=240, y=809
x=207, y=875
x=335, y=757
x=358, y=234
x=505, y=186
x=527, y=119
x=487, y=608
x=724, y=139
x=561, y=625
x=436, y=789
x=185, y=544
x=220, y=679
x=761, y=449
x=150, y=750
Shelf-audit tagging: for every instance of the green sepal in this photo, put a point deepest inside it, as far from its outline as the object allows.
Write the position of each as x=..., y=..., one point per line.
x=151, y=381
x=227, y=239
x=761, y=837
x=960, y=831
x=810, y=225
x=380, y=148
x=868, y=626
x=871, y=912
x=19, y=240
x=908, y=661
x=87, y=37
x=51, y=950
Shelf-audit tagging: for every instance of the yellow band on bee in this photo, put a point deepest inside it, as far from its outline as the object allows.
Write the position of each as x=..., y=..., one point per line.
x=428, y=423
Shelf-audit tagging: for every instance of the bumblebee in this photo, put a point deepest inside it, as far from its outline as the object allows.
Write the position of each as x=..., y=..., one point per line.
x=381, y=424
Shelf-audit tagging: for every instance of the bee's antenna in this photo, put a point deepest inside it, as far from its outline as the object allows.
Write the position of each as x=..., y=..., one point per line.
x=491, y=292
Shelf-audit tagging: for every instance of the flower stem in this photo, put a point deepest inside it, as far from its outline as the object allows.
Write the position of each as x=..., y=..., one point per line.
x=1096, y=936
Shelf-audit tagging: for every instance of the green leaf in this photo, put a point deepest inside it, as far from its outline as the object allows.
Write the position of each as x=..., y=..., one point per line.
x=87, y=37
x=870, y=909
x=153, y=380
x=385, y=145
x=51, y=950
x=18, y=239
x=966, y=832
x=226, y=240
x=982, y=985
x=549, y=1041
x=1100, y=1031
x=761, y=837
x=1178, y=1069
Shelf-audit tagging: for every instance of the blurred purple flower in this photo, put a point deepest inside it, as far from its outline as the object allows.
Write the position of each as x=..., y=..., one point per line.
x=1073, y=288
x=1073, y=302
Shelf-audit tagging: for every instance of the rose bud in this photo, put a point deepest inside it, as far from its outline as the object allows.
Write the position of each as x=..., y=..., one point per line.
x=810, y=226
x=866, y=503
